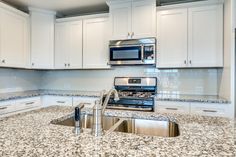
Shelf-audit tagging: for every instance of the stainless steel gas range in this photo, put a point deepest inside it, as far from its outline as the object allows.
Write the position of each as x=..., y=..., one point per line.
x=136, y=93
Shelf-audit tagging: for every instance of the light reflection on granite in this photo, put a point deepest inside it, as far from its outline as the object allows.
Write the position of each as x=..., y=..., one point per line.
x=31, y=134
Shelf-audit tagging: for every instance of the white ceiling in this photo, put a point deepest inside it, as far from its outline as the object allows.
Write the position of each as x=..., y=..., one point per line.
x=65, y=7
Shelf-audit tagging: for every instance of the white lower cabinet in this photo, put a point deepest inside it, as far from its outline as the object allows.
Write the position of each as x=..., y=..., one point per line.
x=57, y=100
x=204, y=109
x=89, y=102
x=210, y=109
x=19, y=105
x=172, y=107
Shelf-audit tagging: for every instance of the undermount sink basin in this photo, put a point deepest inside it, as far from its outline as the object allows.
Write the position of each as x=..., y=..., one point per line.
x=134, y=126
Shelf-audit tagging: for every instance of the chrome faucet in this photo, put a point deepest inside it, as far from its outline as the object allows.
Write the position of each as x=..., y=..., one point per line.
x=98, y=111
x=78, y=123
x=116, y=98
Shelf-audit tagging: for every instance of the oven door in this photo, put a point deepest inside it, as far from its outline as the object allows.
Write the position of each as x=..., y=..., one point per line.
x=126, y=55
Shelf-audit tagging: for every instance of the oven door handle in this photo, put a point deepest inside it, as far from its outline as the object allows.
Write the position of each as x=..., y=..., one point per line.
x=130, y=108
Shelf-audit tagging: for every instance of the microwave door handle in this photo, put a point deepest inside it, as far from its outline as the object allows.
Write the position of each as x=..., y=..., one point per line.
x=142, y=54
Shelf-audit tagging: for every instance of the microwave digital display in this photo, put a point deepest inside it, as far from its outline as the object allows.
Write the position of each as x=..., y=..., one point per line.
x=134, y=81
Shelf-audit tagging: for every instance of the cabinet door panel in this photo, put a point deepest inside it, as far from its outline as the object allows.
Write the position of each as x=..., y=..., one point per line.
x=144, y=18
x=120, y=15
x=95, y=43
x=172, y=38
x=13, y=39
x=75, y=48
x=206, y=36
x=42, y=40
x=61, y=44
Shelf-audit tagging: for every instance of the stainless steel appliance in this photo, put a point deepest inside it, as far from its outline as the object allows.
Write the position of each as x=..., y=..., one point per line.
x=134, y=51
x=135, y=93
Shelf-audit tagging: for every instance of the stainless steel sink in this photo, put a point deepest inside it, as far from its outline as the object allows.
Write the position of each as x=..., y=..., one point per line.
x=87, y=121
x=134, y=126
x=149, y=127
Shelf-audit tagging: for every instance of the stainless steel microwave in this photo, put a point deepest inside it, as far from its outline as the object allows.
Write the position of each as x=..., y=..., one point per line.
x=133, y=52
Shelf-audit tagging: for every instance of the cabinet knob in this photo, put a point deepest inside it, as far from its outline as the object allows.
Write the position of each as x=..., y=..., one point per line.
x=3, y=61
x=190, y=62
x=132, y=34
x=68, y=64
x=32, y=64
x=128, y=34
x=65, y=64
x=185, y=62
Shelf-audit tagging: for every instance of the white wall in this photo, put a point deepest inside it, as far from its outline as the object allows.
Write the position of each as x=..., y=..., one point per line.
x=12, y=80
x=182, y=81
x=225, y=78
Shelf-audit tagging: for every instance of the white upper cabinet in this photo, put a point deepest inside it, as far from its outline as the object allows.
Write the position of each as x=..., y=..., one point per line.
x=68, y=45
x=75, y=45
x=172, y=38
x=61, y=45
x=42, y=39
x=205, y=47
x=132, y=19
x=143, y=19
x=120, y=15
x=14, y=46
x=190, y=37
x=95, y=43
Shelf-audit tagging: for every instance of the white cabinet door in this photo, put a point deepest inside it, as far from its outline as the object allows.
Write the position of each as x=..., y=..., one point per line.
x=88, y=102
x=75, y=47
x=172, y=107
x=120, y=18
x=42, y=40
x=13, y=39
x=172, y=38
x=68, y=45
x=211, y=109
x=95, y=43
x=144, y=19
x=61, y=45
x=205, y=36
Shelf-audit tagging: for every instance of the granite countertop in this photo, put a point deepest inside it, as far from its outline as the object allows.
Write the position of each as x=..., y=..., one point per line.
x=33, y=93
x=192, y=98
x=31, y=134
x=161, y=97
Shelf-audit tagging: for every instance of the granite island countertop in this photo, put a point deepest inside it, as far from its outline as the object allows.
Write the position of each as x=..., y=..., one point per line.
x=160, y=97
x=31, y=134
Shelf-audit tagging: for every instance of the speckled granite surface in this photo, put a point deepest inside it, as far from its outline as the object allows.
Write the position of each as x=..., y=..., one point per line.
x=32, y=135
x=191, y=98
x=161, y=97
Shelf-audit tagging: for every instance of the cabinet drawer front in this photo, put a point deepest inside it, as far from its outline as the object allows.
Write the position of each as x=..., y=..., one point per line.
x=208, y=109
x=6, y=107
x=89, y=102
x=27, y=103
x=172, y=107
x=57, y=100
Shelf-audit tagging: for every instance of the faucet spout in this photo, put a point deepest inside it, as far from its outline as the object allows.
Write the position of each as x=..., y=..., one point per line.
x=116, y=98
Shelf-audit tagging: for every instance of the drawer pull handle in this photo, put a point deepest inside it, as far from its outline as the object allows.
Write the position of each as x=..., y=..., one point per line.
x=61, y=102
x=171, y=108
x=3, y=108
x=29, y=103
x=212, y=111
